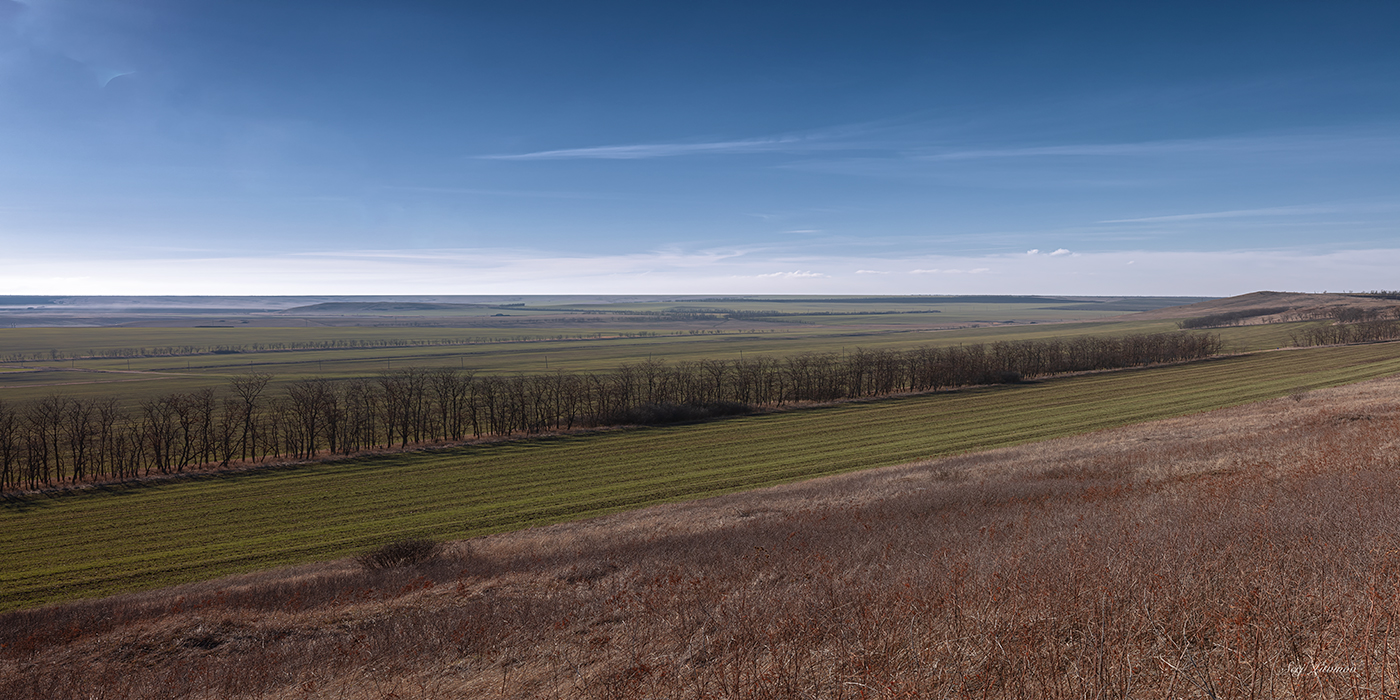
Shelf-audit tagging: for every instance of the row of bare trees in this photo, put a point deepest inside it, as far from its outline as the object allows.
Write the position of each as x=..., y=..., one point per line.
x=60, y=439
x=1283, y=314
x=1229, y=318
x=1341, y=333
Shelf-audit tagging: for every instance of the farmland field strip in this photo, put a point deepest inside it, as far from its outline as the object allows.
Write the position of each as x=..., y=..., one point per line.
x=948, y=424
x=327, y=510
x=602, y=353
x=593, y=354
x=608, y=350
x=132, y=388
x=945, y=426
x=42, y=339
x=607, y=354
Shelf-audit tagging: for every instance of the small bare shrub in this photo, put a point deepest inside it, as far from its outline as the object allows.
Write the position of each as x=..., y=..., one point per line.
x=408, y=552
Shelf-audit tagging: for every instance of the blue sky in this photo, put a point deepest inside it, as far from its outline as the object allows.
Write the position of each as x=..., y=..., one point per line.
x=220, y=147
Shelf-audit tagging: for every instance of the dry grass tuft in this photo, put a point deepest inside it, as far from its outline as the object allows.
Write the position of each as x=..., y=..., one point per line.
x=1246, y=553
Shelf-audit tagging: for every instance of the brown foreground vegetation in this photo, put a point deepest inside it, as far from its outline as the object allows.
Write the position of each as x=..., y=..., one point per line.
x=1251, y=552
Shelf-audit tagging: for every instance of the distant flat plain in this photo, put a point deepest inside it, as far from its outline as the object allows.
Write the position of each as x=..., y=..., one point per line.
x=203, y=342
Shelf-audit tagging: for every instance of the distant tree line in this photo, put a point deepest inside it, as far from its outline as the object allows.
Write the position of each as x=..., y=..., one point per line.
x=1379, y=294
x=1228, y=318
x=1356, y=314
x=1356, y=332
x=1339, y=313
x=61, y=439
x=1353, y=324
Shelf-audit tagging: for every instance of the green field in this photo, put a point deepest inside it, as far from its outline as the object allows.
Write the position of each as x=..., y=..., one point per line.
x=155, y=376
x=131, y=538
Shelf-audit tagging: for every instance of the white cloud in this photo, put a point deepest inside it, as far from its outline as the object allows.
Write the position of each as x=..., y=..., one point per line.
x=954, y=271
x=794, y=274
x=1033, y=251
x=872, y=272
x=1061, y=251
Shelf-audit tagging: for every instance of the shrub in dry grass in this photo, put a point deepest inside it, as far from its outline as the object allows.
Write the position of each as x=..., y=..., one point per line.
x=409, y=552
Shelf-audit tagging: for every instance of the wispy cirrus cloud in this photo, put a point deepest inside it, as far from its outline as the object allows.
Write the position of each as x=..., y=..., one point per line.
x=836, y=138
x=1236, y=213
x=1085, y=149
x=1335, y=144
x=659, y=150
x=489, y=192
x=909, y=147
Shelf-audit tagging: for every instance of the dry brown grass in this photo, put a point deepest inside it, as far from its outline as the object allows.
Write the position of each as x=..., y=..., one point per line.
x=1245, y=553
x=1258, y=300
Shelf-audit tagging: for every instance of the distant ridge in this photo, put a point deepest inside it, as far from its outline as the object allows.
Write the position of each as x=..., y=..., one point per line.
x=951, y=298
x=345, y=307
x=916, y=299
x=13, y=300
x=1293, y=301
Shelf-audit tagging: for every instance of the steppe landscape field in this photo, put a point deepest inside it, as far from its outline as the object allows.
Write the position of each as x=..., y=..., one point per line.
x=756, y=497
x=626, y=350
